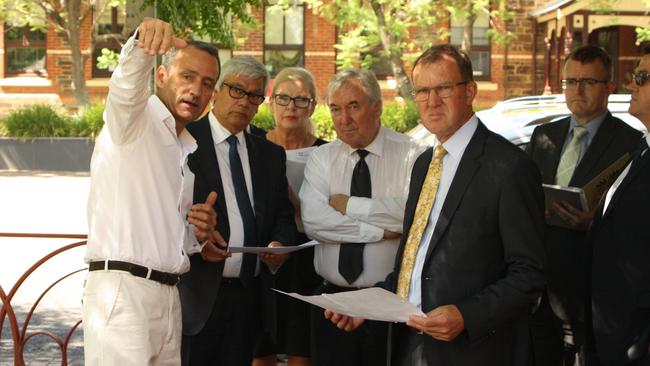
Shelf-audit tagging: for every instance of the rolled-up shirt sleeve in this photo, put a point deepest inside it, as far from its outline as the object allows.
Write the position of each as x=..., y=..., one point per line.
x=386, y=213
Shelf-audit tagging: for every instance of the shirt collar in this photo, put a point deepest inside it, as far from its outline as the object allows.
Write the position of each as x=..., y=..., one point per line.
x=220, y=133
x=457, y=143
x=591, y=126
x=161, y=113
x=376, y=147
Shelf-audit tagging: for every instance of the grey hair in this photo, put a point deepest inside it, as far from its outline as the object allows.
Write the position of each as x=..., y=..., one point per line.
x=243, y=66
x=168, y=58
x=366, y=77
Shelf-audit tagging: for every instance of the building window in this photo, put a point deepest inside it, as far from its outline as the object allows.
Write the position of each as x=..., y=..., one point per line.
x=284, y=36
x=25, y=50
x=110, y=21
x=480, y=52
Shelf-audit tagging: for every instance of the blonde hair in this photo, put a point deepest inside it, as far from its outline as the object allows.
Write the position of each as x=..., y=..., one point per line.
x=295, y=73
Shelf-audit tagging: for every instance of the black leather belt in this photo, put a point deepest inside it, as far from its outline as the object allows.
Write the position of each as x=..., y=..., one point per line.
x=137, y=270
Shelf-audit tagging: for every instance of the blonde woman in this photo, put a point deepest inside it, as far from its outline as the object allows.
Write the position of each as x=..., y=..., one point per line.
x=292, y=102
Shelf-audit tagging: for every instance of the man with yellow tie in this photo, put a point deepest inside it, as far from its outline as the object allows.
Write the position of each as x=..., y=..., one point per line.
x=471, y=254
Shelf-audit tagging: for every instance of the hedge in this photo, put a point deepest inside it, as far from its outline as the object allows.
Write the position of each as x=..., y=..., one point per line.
x=40, y=120
x=49, y=121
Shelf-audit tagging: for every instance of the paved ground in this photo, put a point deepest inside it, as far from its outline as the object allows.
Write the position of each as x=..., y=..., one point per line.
x=43, y=203
x=40, y=202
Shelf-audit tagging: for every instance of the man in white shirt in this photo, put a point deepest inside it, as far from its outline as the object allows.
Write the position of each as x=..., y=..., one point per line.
x=141, y=220
x=352, y=200
x=222, y=302
x=619, y=240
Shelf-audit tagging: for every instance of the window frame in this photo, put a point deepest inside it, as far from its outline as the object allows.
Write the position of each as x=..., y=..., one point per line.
x=300, y=48
x=19, y=44
x=487, y=48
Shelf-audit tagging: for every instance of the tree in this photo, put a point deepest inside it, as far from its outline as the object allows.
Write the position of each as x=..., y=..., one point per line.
x=396, y=28
x=205, y=18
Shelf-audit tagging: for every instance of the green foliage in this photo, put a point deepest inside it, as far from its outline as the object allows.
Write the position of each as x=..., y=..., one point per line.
x=36, y=121
x=400, y=117
x=207, y=19
x=323, y=121
x=108, y=59
x=47, y=121
x=264, y=118
x=88, y=121
x=642, y=35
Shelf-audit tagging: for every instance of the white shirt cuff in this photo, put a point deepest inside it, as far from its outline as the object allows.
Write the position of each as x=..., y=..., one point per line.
x=358, y=208
x=370, y=233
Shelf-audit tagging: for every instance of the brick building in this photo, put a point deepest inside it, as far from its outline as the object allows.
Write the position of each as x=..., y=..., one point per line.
x=35, y=66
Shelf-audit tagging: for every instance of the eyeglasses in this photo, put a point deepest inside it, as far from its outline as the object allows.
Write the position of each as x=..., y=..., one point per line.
x=442, y=91
x=586, y=82
x=239, y=93
x=640, y=77
x=299, y=102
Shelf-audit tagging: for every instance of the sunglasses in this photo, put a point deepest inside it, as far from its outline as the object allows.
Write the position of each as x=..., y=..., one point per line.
x=640, y=77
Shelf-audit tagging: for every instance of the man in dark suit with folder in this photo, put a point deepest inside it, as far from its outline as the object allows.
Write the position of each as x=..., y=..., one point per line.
x=221, y=302
x=572, y=152
x=619, y=241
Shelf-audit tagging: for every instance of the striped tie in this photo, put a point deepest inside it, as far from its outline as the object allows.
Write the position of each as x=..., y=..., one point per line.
x=422, y=212
x=570, y=157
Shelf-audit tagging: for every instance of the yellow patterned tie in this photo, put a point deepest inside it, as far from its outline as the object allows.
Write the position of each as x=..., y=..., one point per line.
x=422, y=212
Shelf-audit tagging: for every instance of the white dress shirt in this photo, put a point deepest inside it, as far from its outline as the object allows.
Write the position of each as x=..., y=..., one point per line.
x=232, y=265
x=455, y=147
x=329, y=172
x=141, y=188
x=619, y=180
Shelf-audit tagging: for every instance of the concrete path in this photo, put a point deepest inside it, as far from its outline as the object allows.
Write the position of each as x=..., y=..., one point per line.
x=39, y=202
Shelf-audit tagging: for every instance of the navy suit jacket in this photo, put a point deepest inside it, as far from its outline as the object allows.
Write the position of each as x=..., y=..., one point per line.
x=565, y=248
x=486, y=253
x=273, y=215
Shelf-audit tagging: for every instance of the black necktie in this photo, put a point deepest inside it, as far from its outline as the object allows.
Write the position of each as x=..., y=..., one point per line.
x=249, y=261
x=351, y=254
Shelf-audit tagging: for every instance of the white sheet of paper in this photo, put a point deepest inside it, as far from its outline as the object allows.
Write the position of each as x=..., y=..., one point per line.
x=296, y=160
x=372, y=303
x=278, y=250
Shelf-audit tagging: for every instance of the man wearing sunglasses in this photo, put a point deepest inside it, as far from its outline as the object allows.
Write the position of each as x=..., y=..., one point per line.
x=620, y=251
x=221, y=302
x=571, y=152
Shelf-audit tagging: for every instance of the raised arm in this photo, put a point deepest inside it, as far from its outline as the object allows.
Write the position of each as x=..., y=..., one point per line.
x=129, y=87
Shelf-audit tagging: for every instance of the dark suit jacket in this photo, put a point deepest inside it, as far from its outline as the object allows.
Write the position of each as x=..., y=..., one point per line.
x=273, y=214
x=620, y=268
x=565, y=247
x=486, y=253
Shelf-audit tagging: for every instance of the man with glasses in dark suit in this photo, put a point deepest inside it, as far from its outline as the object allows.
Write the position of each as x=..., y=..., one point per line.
x=221, y=302
x=571, y=152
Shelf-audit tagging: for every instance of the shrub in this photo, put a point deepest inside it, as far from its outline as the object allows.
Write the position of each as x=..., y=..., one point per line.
x=400, y=116
x=264, y=118
x=88, y=121
x=323, y=121
x=36, y=121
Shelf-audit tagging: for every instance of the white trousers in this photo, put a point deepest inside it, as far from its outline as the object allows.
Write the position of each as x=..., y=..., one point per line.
x=129, y=320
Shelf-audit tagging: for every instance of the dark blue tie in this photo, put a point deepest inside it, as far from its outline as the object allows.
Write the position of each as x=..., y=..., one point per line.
x=249, y=261
x=351, y=254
